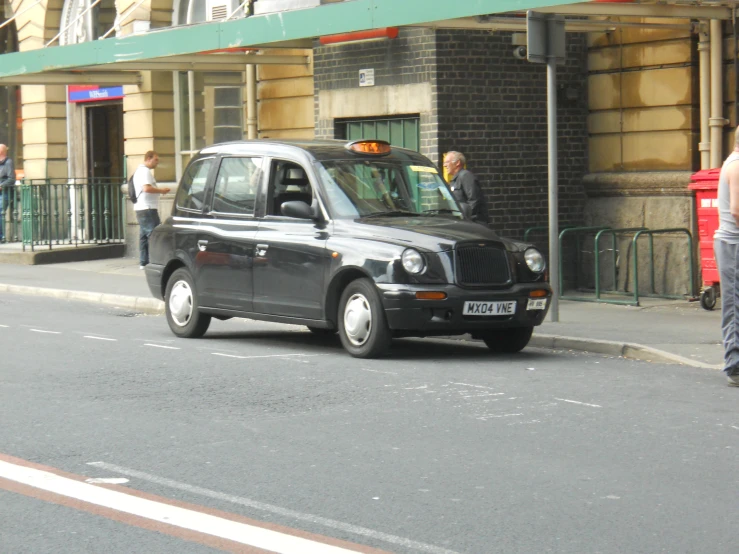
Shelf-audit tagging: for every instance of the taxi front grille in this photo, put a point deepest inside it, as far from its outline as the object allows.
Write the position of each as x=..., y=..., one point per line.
x=482, y=265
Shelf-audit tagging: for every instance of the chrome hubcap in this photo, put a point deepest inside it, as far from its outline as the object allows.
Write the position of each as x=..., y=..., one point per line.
x=358, y=320
x=180, y=303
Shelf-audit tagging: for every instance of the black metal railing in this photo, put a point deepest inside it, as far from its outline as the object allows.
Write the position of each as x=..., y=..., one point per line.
x=56, y=212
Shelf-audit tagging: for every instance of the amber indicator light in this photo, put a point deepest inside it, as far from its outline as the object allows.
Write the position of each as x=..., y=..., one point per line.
x=538, y=293
x=334, y=254
x=369, y=147
x=431, y=295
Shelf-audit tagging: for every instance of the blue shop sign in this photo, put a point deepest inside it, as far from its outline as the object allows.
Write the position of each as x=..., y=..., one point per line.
x=94, y=93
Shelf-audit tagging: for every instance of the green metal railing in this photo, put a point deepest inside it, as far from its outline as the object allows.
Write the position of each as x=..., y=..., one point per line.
x=612, y=233
x=75, y=211
x=540, y=229
x=638, y=232
x=650, y=234
x=577, y=232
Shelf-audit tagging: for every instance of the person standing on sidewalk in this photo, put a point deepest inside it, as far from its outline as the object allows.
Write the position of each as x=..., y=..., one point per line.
x=147, y=203
x=7, y=181
x=726, y=249
x=465, y=188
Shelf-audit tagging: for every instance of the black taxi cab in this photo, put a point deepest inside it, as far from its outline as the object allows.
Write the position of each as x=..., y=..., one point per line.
x=359, y=238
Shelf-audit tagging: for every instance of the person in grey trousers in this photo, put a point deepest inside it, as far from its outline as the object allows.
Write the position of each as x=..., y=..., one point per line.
x=726, y=249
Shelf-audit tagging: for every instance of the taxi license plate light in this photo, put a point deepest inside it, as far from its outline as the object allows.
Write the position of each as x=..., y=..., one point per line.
x=430, y=295
x=500, y=308
x=536, y=304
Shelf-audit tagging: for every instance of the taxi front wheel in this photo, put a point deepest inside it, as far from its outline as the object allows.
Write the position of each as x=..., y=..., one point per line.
x=507, y=341
x=362, y=325
x=181, y=307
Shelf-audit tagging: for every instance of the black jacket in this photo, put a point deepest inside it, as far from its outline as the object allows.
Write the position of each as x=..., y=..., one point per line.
x=7, y=173
x=468, y=194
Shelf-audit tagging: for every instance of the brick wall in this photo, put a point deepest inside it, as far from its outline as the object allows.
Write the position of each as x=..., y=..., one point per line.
x=493, y=107
x=486, y=104
x=407, y=60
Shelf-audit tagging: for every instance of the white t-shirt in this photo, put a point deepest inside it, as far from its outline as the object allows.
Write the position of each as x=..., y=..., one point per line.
x=145, y=200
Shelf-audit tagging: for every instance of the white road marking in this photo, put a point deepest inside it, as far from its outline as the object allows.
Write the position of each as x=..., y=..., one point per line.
x=468, y=385
x=241, y=501
x=99, y=338
x=580, y=403
x=267, y=356
x=376, y=371
x=161, y=346
x=47, y=332
x=107, y=480
x=490, y=416
x=166, y=513
x=5, y=326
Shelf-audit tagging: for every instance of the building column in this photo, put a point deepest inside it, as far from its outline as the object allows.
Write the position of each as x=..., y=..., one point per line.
x=44, y=115
x=43, y=107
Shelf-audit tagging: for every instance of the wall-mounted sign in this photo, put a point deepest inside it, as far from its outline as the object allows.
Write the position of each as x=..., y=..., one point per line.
x=366, y=77
x=94, y=93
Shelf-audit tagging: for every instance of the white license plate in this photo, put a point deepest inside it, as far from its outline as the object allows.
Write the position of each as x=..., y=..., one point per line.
x=537, y=304
x=507, y=307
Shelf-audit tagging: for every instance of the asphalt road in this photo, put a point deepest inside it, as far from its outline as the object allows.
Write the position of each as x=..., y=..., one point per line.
x=440, y=447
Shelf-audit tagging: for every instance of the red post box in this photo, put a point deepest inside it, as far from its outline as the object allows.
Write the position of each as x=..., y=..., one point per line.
x=705, y=185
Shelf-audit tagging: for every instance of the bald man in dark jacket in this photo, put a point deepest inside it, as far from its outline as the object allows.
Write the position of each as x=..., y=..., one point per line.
x=466, y=189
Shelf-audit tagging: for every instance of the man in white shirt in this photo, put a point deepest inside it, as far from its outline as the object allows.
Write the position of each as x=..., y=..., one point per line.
x=147, y=202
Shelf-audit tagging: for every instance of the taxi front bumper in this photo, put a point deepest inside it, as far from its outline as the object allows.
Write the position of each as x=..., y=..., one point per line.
x=405, y=312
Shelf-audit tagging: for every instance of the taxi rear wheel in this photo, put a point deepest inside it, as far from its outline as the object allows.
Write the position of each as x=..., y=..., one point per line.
x=362, y=325
x=508, y=341
x=181, y=307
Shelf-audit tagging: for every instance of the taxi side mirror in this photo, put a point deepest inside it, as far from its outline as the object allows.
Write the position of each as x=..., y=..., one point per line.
x=297, y=209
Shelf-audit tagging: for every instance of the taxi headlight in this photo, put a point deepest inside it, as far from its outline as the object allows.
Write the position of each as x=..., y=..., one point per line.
x=534, y=260
x=413, y=261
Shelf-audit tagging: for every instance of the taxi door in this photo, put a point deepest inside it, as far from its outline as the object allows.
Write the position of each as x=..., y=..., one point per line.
x=291, y=260
x=227, y=235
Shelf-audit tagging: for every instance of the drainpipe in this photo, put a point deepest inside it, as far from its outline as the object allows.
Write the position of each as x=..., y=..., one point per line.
x=704, y=67
x=252, y=124
x=251, y=101
x=717, y=120
x=191, y=112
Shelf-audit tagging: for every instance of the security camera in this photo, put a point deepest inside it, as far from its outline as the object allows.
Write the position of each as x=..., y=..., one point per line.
x=519, y=52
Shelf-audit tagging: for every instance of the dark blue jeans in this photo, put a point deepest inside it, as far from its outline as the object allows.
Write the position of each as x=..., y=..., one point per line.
x=148, y=219
x=4, y=205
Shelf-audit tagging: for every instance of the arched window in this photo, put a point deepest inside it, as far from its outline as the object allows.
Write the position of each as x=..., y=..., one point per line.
x=82, y=23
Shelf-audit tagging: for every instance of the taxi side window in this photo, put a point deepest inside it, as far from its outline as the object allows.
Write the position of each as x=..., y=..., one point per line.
x=288, y=182
x=191, y=193
x=237, y=185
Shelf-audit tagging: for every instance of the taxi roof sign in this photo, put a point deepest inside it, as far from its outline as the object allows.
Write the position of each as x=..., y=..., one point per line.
x=377, y=147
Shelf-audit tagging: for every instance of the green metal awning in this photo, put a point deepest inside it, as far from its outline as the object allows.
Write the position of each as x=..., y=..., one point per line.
x=118, y=60
x=106, y=61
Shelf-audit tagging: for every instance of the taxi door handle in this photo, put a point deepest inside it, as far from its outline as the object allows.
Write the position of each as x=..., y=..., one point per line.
x=262, y=249
x=202, y=245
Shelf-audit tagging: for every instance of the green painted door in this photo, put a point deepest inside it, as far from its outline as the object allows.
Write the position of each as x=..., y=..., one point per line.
x=403, y=132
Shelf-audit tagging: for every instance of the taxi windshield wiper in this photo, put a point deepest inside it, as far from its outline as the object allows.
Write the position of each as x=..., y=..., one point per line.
x=391, y=213
x=440, y=211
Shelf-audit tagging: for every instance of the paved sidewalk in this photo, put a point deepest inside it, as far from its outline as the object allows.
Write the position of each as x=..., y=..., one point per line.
x=660, y=330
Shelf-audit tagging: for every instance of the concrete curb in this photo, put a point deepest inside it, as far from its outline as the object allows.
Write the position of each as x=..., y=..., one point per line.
x=153, y=306
x=139, y=304
x=629, y=350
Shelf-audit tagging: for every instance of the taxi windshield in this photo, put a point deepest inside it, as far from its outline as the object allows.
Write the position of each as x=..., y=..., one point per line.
x=363, y=188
